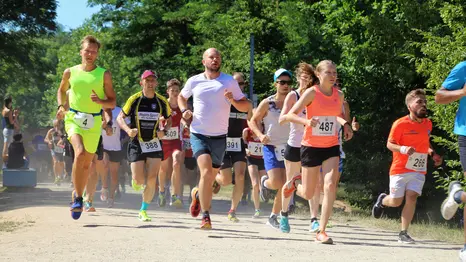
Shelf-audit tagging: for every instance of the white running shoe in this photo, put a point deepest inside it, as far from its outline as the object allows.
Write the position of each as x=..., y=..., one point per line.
x=104, y=194
x=449, y=206
x=463, y=255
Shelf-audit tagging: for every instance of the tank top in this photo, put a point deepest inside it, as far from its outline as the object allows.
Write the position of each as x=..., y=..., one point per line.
x=113, y=142
x=277, y=133
x=81, y=85
x=237, y=122
x=174, y=133
x=327, y=108
x=56, y=136
x=6, y=122
x=254, y=145
x=296, y=130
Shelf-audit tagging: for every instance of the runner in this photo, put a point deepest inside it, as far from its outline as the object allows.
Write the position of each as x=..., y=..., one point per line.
x=255, y=164
x=409, y=142
x=89, y=85
x=172, y=151
x=54, y=139
x=320, y=147
x=214, y=93
x=113, y=155
x=306, y=78
x=274, y=140
x=145, y=108
x=453, y=89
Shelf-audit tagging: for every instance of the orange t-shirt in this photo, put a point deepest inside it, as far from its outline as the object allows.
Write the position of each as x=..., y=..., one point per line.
x=406, y=132
x=327, y=108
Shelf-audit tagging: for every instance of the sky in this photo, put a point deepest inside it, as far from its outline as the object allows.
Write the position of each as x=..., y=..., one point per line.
x=72, y=13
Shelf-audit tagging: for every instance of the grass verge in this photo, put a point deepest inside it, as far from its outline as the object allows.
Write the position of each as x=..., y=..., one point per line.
x=8, y=225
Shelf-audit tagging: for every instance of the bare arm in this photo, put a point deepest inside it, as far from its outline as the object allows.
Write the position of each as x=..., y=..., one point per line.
x=122, y=123
x=393, y=147
x=182, y=102
x=242, y=105
x=10, y=116
x=48, y=137
x=110, y=101
x=250, y=111
x=245, y=135
x=444, y=96
x=64, y=86
x=289, y=102
x=257, y=117
x=305, y=100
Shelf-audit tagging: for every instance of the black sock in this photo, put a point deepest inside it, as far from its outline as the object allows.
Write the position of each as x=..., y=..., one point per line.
x=403, y=232
x=205, y=214
x=313, y=219
x=284, y=214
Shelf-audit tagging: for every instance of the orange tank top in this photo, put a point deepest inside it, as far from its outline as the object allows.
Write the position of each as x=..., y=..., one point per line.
x=326, y=108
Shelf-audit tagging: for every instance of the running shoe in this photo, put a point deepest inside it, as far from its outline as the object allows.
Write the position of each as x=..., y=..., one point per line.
x=216, y=187
x=377, y=209
x=88, y=207
x=284, y=224
x=257, y=214
x=143, y=216
x=104, y=194
x=404, y=238
x=162, y=199
x=449, y=206
x=76, y=206
x=322, y=238
x=232, y=217
x=110, y=202
x=264, y=192
x=290, y=186
x=176, y=202
x=57, y=181
x=272, y=221
x=195, y=207
x=135, y=186
x=206, y=224
x=314, y=226
x=463, y=255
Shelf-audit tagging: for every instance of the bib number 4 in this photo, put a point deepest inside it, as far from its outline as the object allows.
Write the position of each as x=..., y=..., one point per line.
x=83, y=120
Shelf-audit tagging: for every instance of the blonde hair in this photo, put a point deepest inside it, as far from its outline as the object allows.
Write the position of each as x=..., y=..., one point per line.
x=324, y=63
x=305, y=68
x=89, y=39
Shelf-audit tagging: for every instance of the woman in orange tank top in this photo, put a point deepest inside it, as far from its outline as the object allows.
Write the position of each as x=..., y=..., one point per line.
x=320, y=146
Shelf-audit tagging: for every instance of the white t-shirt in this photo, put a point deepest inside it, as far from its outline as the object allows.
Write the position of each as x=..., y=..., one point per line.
x=113, y=143
x=211, y=108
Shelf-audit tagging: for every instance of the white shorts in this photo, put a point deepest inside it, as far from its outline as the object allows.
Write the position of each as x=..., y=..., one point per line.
x=408, y=181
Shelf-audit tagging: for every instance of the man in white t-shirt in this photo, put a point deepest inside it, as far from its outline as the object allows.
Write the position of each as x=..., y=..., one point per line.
x=213, y=94
x=113, y=155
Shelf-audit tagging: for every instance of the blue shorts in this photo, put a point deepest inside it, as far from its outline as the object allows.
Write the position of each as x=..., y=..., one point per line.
x=215, y=146
x=270, y=160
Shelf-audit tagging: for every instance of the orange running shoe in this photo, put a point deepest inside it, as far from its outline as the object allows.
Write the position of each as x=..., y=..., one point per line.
x=322, y=237
x=195, y=207
x=206, y=224
x=290, y=186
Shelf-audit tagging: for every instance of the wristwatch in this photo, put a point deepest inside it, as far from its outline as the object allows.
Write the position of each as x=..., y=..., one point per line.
x=184, y=110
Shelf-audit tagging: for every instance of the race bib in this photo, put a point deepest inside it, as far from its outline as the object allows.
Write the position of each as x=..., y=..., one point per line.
x=42, y=147
x=255, y=149
x=326, y=126
x=172, y=134
x=187, y=144
x=417, y=162
x=84, y=120
x=280, y=152
x=233, y=144
x=58, y=150
x=150, y=146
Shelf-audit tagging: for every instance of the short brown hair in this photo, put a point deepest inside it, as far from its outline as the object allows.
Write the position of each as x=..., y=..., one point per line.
x=414, y=94
x=239, y=74
x=173, y=82
x=90, y=40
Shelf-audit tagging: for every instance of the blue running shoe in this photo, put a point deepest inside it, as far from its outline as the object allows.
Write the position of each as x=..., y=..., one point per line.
x=76, y=206
x=314, y=226
x=284, y=225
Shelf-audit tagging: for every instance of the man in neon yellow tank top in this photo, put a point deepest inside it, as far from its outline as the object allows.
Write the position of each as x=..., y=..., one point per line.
x=90, y=91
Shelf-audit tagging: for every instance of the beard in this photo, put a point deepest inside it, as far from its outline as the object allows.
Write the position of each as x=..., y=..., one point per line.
x=420, y=114
x=212, y=69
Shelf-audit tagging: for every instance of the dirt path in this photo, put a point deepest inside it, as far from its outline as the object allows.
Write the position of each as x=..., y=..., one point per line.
x=47, y=233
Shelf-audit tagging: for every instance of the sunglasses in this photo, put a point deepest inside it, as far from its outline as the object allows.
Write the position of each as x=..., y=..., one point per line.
x=284, y=82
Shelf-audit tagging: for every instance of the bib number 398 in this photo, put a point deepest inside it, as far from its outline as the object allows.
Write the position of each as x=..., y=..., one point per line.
x=280, y=152
x=417, y=162
x=83, y=120
x=325, y=127
x=150, y=146
x=233, y=144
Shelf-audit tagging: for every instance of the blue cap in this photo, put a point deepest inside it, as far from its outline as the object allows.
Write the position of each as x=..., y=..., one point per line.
x=280, y=72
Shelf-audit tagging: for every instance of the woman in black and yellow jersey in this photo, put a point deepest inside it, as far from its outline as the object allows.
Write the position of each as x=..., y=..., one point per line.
x=146, y=110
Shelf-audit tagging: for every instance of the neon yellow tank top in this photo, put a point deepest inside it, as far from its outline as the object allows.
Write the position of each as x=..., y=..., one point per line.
x=81, y=85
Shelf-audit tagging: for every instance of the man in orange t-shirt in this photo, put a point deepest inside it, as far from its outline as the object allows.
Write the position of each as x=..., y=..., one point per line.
x=409, y=142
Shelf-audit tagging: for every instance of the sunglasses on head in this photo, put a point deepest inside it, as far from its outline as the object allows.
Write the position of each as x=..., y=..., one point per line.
x=284, y=82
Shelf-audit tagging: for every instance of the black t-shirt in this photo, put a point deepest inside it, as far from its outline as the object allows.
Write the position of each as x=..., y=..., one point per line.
x=15, y=155
x=145, y=113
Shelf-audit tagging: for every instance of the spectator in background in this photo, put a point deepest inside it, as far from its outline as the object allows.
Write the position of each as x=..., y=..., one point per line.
x=16, y=153
x=8, y=124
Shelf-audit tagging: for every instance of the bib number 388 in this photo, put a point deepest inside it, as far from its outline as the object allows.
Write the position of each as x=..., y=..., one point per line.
x=150, y=146
x=417, y=162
